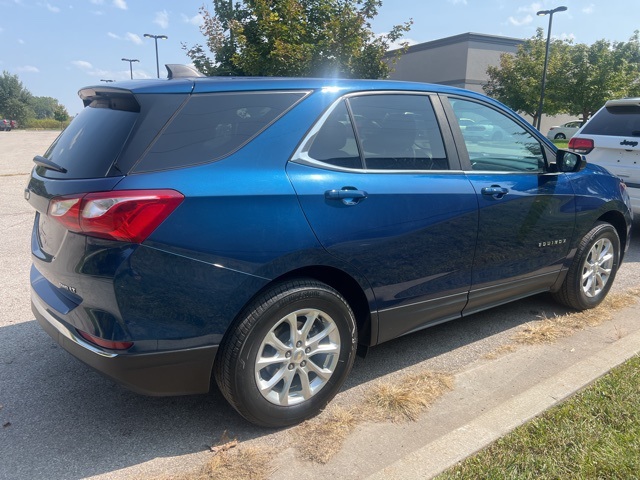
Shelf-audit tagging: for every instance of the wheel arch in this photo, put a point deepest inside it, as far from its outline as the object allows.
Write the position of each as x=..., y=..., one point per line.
x=617, y=220
x=349, y=288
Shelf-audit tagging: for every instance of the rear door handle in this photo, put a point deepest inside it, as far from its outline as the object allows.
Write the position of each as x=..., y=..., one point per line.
x=496, y=191
x=348, y=195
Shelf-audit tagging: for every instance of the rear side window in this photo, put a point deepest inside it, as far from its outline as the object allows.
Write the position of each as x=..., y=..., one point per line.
x=212, y=126
x=393, y=131
x=398, y=132
x=89, y=145
x=619, y=121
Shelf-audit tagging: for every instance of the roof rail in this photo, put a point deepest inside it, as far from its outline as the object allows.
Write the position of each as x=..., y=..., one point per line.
x=176, y=70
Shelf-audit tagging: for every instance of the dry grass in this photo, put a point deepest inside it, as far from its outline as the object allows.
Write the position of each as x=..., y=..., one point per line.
x=548, y=330
x=407, y=398
x=320, y=438
x=247, y=463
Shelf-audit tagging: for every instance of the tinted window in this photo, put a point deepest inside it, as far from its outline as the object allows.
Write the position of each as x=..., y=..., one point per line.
x=621, y=121
x=90, y=144
x=335, y=143
x=211, y=126
x=398, y=132
x=494, y=141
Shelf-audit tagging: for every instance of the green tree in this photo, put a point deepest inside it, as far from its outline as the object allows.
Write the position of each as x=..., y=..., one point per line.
x=294, y=38
x=60, y=114
x=517, y=81
x=44, y=107
x=600, y=72
x=14, y=98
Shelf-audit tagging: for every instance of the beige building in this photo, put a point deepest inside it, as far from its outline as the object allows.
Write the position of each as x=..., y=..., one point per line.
x=459, y=61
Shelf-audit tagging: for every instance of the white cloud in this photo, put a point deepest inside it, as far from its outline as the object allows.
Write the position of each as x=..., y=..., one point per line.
x=121, y=4
x=132, y=37
x=519, y=22
x=456, y=2
x=97, y=2
x=589, y=9
x=89, y=69
x=53, y=9
x=532, y=8
x=82, y=65
x=21, y=41
x=113, y=35
x=195, y=20
x=162, y=19
x=28, y=69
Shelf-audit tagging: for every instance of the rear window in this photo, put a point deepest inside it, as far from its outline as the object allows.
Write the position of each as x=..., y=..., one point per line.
x=89, y=145
x=212, y=126
x=618, y=121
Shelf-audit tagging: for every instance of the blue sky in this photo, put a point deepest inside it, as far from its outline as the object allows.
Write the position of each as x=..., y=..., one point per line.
x=58, y=46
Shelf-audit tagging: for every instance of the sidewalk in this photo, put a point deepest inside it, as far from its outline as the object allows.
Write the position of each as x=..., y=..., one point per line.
x=489, y=399
x=444, y=452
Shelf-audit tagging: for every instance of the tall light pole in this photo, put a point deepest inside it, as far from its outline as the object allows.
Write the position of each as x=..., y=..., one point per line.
x=156, y=37
x=546, y=58
x=130, y=60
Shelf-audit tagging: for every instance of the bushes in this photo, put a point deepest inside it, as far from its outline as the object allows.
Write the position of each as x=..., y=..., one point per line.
x=45, y=124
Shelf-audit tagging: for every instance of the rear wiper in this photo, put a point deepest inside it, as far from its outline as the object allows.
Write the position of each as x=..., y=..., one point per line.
x=48, y=164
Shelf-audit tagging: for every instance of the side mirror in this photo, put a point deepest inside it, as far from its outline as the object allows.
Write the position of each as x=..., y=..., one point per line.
x=569, y=162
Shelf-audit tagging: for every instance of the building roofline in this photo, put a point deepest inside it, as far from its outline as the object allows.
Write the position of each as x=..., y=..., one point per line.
x=463, y=37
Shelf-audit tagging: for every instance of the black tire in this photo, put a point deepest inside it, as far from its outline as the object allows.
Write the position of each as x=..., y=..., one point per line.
x=593, y=269
x=560, y=136
x=289, y=360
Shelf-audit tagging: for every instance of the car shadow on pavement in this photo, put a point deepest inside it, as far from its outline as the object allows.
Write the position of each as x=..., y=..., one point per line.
x=63, y=420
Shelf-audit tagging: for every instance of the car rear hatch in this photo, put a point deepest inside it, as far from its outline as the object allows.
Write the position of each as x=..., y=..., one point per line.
x=615, y=133
x=86, y=161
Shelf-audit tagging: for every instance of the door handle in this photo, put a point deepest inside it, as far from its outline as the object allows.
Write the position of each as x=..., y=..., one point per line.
x=496, y=191
x=348, y=195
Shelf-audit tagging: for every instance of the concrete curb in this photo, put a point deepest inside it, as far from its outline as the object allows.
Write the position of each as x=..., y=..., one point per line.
x=446, y=451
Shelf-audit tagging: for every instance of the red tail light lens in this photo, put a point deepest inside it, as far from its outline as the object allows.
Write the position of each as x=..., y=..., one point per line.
x=581, y=145
x=127, y=215
x=101, y=342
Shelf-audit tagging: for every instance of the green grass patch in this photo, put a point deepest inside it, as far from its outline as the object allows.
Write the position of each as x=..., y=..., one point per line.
x=595, y=434
x=564, y=144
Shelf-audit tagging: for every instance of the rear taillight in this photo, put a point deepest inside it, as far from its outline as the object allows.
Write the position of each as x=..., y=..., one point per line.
x=101, y=342
x=127, y=215
x=581, y=145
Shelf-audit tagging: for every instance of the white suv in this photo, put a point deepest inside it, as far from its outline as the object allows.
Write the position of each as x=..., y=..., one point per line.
x=611, y=138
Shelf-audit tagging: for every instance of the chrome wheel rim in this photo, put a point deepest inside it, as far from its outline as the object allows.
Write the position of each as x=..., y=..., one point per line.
x=597, y=267
x=297, y=357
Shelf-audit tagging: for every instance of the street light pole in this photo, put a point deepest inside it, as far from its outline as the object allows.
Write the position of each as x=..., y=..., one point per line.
x=546, y=58
x=130, y=60
x=156, y=37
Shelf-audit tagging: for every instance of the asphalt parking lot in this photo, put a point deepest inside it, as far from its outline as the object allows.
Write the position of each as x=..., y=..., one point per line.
x=60, y=420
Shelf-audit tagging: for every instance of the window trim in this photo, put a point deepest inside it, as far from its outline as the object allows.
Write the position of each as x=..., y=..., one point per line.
x=300, y=156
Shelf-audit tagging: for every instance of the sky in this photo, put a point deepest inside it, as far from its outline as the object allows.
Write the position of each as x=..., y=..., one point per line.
x=57, y=47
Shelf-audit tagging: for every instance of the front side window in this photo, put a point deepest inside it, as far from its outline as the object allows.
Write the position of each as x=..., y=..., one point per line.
x=494, y=141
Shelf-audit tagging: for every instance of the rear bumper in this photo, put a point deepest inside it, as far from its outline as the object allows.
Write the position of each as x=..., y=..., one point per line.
x=176, y=372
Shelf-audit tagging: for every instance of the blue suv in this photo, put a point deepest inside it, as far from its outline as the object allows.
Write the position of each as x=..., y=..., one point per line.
x=261, y=230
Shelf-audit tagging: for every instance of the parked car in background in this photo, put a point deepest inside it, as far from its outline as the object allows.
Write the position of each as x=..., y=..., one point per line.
x=611, y=138
x=564, y=131
x=262, y=229
x=7, y=125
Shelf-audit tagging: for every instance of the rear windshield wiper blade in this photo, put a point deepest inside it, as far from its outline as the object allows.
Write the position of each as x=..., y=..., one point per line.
x=48, y=164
